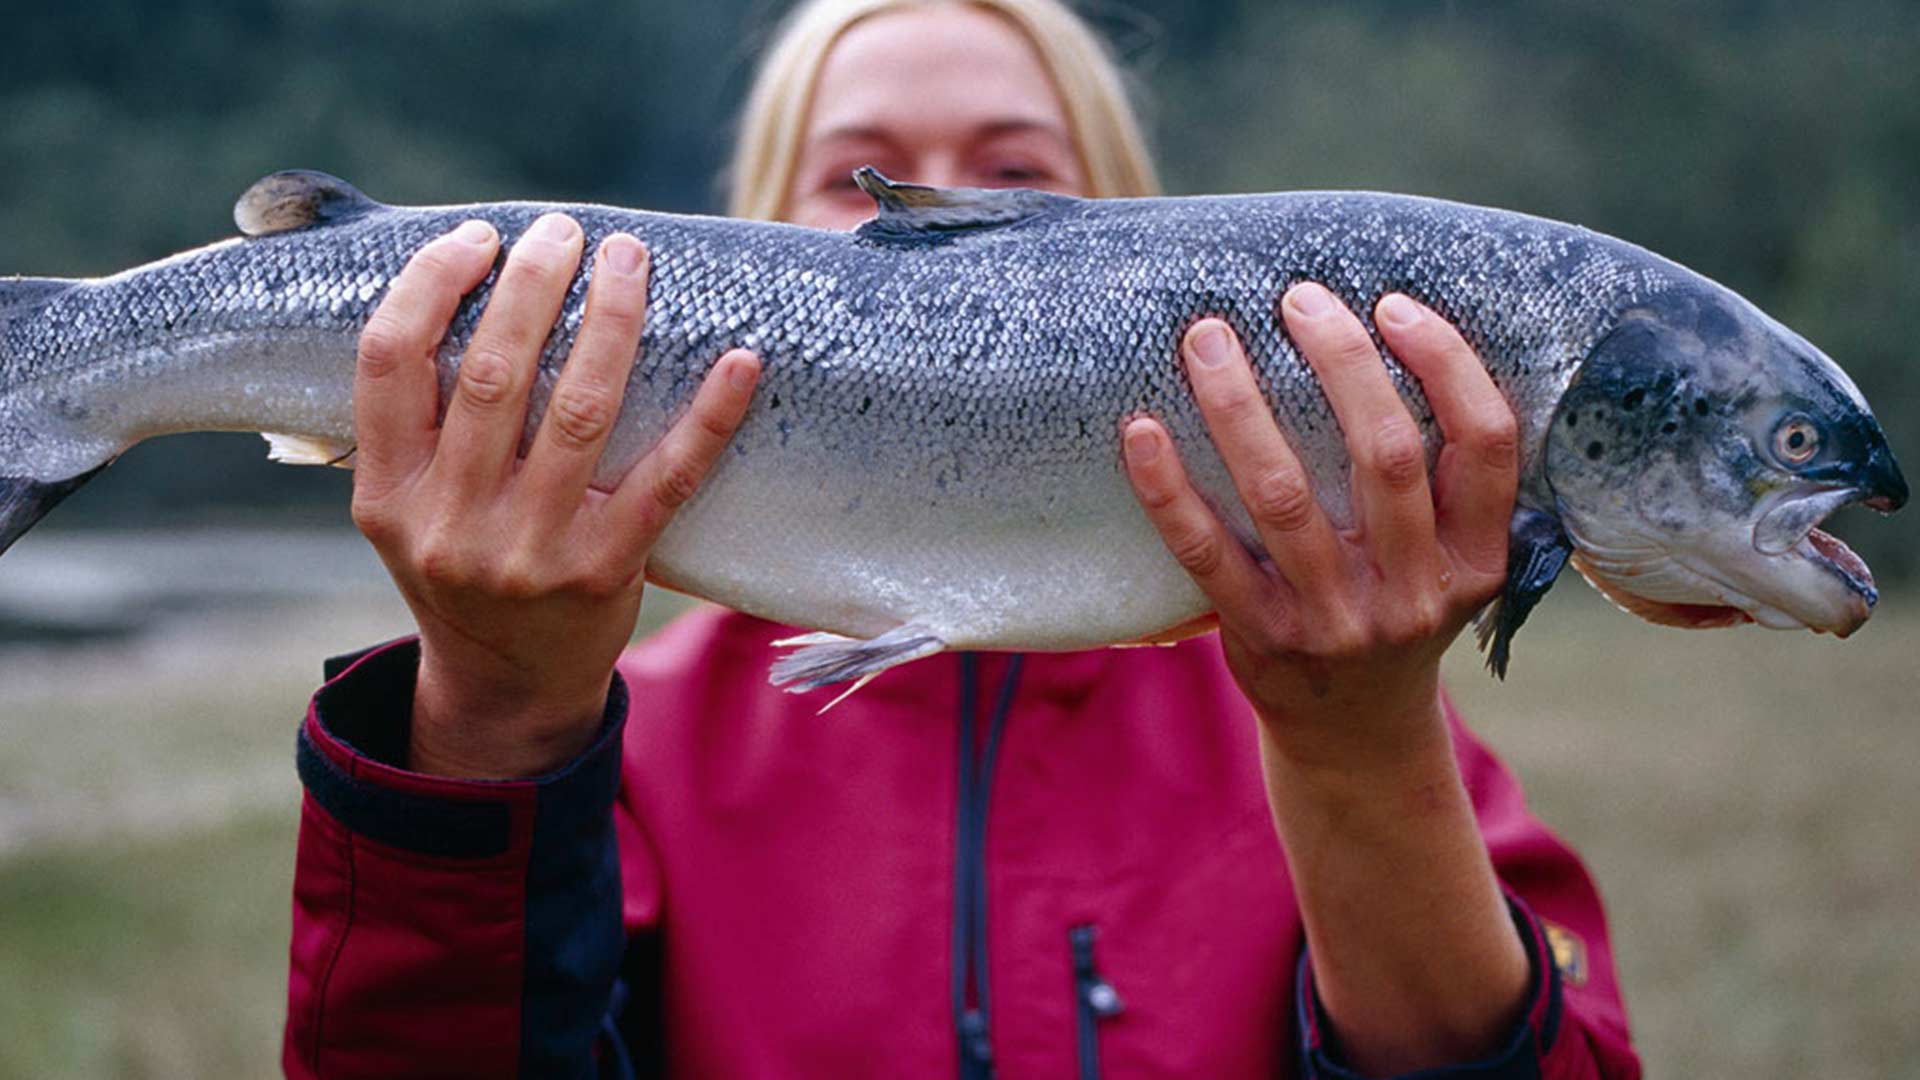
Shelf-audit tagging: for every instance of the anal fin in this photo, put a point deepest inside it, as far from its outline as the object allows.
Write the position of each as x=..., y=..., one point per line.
x=824, y=659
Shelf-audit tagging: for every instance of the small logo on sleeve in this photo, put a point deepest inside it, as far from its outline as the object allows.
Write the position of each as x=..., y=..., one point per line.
x=1569, y=953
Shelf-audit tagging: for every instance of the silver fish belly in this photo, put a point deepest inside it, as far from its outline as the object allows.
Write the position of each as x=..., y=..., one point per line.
x=934, y=444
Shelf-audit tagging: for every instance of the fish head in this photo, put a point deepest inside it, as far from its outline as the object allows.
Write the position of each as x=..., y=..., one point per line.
x=1693, y=457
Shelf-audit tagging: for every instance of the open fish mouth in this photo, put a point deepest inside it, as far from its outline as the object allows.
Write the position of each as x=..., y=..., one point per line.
x=1790, y=529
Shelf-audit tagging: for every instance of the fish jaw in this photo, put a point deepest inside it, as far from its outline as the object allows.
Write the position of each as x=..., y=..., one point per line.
x=1827, y=551
x=1818, y=585
x=1789, y=529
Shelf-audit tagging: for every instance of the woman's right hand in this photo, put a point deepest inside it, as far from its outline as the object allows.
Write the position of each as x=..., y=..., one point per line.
x=525, y=582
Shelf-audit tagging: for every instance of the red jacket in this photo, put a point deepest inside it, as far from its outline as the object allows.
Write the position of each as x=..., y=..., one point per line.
x=1044, y=866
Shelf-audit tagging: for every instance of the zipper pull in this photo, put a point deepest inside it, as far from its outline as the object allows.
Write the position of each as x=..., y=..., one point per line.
x=1103, y=999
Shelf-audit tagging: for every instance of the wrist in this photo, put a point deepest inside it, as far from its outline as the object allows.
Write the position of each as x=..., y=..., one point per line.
x=497, y=729
x=1336, y=745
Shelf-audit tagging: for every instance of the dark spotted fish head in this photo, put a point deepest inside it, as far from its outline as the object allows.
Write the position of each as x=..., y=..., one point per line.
x=1694, y=456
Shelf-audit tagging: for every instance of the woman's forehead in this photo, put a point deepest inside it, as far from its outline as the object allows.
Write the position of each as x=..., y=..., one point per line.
x=952, y=68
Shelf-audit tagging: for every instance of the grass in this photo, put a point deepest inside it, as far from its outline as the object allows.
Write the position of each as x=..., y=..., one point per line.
x=1747, y=800
x=164, y=958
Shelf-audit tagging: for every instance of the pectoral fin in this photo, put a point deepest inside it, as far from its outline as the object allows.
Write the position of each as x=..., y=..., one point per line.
x=1537, y=550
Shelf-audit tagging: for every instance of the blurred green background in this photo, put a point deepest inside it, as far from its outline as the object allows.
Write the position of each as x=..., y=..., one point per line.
x=1748, y=800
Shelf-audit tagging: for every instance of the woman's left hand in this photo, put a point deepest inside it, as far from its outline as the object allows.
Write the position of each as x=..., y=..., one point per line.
x=1336, y=634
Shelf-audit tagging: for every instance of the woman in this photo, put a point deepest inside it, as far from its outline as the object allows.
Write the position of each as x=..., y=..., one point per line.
x=515, y=860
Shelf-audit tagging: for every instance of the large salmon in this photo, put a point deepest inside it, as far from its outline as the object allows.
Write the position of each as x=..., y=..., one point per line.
x=932, y=457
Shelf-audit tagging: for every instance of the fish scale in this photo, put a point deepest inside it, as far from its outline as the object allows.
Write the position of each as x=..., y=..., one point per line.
x=933, y=448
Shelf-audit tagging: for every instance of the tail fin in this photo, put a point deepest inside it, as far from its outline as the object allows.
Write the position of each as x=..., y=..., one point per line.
x=24, y=499
x=23, y=502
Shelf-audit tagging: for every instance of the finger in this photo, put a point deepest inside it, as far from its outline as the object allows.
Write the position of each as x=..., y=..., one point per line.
x=487, y=416
x=1390, y=493
x=667, y=477
x=1192, y=532
x=1478, y=471
x=586, y=400
x=396, y=392
x=1272, y=484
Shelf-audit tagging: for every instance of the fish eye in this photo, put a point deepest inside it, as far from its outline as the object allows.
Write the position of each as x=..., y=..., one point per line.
x=1796, y=441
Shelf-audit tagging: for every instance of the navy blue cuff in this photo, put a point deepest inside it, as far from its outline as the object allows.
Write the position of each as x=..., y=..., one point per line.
x=352, y=754
x=1519, y=1055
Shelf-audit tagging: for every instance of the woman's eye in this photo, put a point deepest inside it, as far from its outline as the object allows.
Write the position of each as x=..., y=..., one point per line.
x=1019, y=174
x=834, y=180
x=1796, y=441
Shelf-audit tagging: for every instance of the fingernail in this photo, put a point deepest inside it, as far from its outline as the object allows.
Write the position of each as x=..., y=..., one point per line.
x=1142, y=447
x=740, y=375
x=1397, y=310
x=622, y=253
x=1310, y=299
x=1208, y=343
x=474, y=232
x=557, y=227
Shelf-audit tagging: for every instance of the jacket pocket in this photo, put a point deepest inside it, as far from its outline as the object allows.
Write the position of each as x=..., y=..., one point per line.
x=1094, y=1000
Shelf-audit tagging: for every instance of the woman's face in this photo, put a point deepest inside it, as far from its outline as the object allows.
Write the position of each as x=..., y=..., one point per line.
x=950, y=95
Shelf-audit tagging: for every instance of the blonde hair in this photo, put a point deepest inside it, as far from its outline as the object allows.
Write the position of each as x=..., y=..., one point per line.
x=1100, y=120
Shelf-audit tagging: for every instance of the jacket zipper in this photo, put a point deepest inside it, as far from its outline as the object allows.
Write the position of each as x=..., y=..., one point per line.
x=1094, y=1000
x=976, y=760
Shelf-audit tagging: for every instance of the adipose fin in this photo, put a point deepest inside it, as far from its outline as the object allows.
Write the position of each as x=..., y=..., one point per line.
x=298, y=199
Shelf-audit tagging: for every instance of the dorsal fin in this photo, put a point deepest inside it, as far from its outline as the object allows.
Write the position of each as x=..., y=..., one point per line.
x=295, y=199
x=916, y=213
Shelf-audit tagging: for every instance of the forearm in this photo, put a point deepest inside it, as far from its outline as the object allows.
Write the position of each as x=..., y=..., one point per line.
x=1414, y=952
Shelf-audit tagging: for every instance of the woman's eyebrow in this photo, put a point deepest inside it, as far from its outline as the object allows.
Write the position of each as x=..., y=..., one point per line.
x=997, y=128
x=852, y=133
